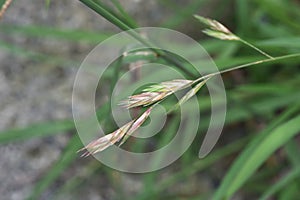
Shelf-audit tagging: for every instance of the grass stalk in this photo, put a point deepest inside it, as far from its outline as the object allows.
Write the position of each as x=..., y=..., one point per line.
x=248, y=65
x=256, y=48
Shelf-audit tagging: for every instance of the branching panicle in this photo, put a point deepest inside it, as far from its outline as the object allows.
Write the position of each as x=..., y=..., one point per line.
x=158, y=92
x=151, y=95
x=217, y=29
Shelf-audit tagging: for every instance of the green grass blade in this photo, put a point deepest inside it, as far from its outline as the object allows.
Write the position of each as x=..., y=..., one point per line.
x=36, y=130
x=47, y=3
x=293, y=151
x=57, y=33
x=106, y=14
x=290, y=192
x=254, y=155
x=1, y=3
x=188, y=171
x=286, y=180
x=279, y=42
x=124, y=14
x=242, y=16
x=68, y=156
x=78, y=180
x=183, y=14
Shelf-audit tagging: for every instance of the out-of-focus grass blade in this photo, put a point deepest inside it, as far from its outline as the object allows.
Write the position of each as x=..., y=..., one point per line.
x=266, y=89
x=65, y=159
x=46, y=59
x=290, y=192
x=197, y=166
x=189, y=94
x=229, y=52
x=286, y=42
x=52, y=32
x=293, y=151
x=47, y=2
x=1, y=3
x=68, y=156
x=282, y=12
x=36, y=130
x=124, y=14
x=284, y=181
x=77, y=180
x=254, y=155
x=37, y=56
x=182, y=14
x=138, y=56
x=212, y=158
x=46, y=128
x=242, y=16
x=149, y=179
x=102, y=10
x=226, y=63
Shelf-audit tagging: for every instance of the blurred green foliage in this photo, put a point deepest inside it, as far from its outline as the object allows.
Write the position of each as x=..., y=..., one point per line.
x=269, y=95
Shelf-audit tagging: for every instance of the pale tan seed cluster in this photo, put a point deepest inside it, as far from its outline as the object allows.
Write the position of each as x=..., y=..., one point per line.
x=149, y=96
x=4, y=7
x=156, y=93
x=110, y=139
x=217, y=29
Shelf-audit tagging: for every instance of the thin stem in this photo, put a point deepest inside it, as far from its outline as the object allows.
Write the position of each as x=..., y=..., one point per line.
x=247, y=65
x=254, y=47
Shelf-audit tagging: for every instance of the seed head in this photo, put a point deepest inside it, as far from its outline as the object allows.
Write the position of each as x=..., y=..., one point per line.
x=155, y=93
x=110, y=139
x=105, y=141
x=217, y=30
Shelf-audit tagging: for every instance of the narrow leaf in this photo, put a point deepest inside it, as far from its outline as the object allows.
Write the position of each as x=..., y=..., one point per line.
x=284, y=181
x=254, y=155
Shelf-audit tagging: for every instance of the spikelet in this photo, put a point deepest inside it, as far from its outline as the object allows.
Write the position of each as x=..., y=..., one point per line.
x=217, y=30
x=105, y=141
x=114, y=137
x=155, y=93
x=4, y=7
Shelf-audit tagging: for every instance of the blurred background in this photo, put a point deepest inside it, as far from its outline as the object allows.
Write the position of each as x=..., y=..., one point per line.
x=43, y=43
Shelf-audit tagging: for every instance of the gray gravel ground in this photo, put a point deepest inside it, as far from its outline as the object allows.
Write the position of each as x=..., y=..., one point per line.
x=33, y=91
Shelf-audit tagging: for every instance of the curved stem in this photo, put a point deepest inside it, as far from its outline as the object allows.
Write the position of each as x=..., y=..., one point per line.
x=257, y=49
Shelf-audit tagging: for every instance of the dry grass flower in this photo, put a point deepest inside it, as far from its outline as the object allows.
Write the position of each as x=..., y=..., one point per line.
x=217, y=29
x=156, y=93
x=110, y=139
x=4, y=7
